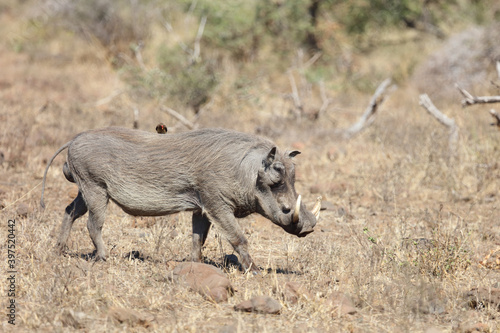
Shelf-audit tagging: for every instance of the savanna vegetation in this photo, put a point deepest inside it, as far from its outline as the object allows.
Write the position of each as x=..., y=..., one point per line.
x=410, y=237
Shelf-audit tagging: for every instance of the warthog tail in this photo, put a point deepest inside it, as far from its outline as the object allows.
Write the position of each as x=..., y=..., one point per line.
x=47, y=169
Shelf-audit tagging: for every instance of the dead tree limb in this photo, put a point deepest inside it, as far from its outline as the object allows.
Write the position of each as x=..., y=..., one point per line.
x=471, y=100
x=196, y=48
x=295, y=94
x=369, y=115
x=326, y=101
x=495, y=116
x=427, y=104
x=135, y=125
x=179, y=117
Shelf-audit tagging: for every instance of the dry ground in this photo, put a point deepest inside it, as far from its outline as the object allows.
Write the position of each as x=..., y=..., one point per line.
x=392, y=183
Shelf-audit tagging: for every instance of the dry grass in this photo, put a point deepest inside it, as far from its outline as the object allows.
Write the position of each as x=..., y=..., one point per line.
x=403, y=241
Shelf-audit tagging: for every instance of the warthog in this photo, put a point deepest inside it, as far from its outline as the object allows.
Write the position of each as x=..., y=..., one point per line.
x=217, y=174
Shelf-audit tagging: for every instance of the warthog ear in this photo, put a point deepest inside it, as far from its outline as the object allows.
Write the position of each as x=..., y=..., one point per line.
x=293, y=153
x=270, y=158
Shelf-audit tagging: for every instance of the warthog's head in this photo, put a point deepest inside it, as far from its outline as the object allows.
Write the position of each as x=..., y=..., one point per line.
x=276, y=196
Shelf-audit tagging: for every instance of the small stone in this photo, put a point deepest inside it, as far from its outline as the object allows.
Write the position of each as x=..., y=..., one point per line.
x=70, y=318
x=130, y=317
x=228, y=329
x=207, y=280
x=482, y=297
x=293, y=291
x=260, y=304
x=477, y=327
x=22, y=210
x=341, y=304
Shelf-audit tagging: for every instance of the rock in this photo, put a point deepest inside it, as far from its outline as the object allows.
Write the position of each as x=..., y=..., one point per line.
x=482, y=297
x=130, y=317
x=419, y=244
x=293, y=291
x=205, y=279
x=299, y=145
x=260, y=304
x=70, y=318
x=327, y=205
x=22, y=210
x=340, y=304
x=477, y=327
x=173, y=234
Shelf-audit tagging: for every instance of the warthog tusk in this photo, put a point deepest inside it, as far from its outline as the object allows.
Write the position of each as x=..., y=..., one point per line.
x=296, y=213
x=317, y=207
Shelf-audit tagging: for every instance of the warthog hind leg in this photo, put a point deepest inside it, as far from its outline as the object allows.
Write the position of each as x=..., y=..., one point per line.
x=74, y=210
x=97, y=201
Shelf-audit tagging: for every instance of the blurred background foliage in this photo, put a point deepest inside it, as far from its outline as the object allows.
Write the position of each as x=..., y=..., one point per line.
x=186, y=51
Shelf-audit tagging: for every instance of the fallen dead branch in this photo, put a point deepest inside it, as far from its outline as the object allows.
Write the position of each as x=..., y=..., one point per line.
x=179, y=117
x=295, y=95
x=496, y=116
x=427, y=104
x=136, y=118
x=471, y=100
x=196, y=49
x=326, y=101
x=369, y=115
x=302, y=95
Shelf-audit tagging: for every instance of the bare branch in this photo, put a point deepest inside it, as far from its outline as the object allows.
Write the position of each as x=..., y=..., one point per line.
x=136, y=118
x=496, y=116
x=179, y=117
x=138, y=55
x=196, y=51
x=311, y=61
x=324, y=98
x=427, y=104
x=295, y=93
x=183, y=46
x=109, y=98
x=369, y=115
x=471, y=100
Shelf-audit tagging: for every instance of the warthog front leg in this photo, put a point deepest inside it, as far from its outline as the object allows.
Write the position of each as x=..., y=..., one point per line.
x=201, y=226
x=236, y=237
x=74, y=210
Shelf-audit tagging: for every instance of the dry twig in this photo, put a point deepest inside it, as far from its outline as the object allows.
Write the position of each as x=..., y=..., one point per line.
x=471, y=100
x=295, y=94
x=324, y=98
x=496, y=116
x=427, y=104
x=369, y=115
x=196, y=49
x=136, y=118
x=179, y=117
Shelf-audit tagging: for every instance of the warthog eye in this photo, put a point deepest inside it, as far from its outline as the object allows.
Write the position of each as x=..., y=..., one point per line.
x=278, y=166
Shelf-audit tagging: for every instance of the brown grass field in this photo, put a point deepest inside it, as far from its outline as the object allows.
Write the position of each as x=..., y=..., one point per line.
x=407, y=233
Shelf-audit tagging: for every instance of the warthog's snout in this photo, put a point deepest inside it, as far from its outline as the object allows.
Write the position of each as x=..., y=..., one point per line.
x=302, y=220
